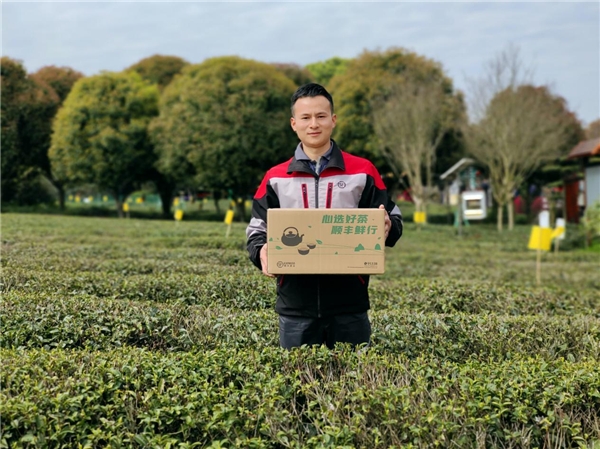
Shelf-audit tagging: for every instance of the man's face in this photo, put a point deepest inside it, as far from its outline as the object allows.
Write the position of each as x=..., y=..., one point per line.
x=313, y=121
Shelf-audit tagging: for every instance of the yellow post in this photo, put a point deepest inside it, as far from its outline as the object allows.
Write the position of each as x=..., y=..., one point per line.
x=540, y=240
x=228, y=220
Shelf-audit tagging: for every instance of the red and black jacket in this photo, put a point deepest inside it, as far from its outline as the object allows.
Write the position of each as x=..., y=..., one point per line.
x=347, y=181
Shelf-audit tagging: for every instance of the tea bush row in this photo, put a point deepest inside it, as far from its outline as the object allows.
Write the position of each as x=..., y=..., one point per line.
x=31, y=321
x=309, y=398
x=244, y=288
x=449, y=296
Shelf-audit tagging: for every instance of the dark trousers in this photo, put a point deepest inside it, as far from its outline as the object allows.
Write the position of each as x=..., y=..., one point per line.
x=295, y=331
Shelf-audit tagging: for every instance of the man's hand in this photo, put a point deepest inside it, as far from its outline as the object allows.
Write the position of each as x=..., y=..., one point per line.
x=263, y=260
x=388, y=226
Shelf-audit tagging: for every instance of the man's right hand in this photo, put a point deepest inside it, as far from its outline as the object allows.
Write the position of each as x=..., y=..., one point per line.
x=263, y=261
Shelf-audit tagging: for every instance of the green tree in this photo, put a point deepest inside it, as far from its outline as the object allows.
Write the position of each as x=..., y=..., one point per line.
x=51, y=87
x=366, y=80
x=16, y=96
x=227, y=121
x=100, y=133
x=323, y=71
x=299, y=75
x=159, y=69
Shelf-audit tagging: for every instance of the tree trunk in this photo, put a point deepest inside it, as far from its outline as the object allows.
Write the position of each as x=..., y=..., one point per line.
x=500, y=216
x=61, y=196
x=510, y=208
x=216, y=198
x=165, y=190
x=119, y=203
x=241, y=209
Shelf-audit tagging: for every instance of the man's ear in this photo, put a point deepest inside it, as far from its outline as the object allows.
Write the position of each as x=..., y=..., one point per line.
x=293, y=123
x=334, y=119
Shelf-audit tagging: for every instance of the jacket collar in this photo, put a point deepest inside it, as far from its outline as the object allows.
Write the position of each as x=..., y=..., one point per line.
x=336, y=159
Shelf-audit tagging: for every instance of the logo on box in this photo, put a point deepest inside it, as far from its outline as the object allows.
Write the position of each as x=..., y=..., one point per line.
x=281, y=264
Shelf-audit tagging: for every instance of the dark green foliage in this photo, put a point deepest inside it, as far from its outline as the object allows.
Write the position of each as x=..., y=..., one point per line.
x=225, y=121
x=159, y=69
x=308, y=398
x=100, y=133
x=299, y=75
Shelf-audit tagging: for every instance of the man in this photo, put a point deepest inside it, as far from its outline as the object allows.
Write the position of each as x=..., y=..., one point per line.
x=319, y=309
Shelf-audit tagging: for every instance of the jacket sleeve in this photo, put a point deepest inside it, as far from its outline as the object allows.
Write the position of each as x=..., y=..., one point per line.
x=256, y=232
x=374, y=195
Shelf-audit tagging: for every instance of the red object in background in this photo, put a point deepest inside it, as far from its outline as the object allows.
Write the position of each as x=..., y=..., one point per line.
x=571, y=193
x=518, y=205
x=405, y=196
x=537, y=205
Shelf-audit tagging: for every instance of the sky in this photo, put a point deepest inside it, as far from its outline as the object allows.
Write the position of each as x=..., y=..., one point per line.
x=559, y=41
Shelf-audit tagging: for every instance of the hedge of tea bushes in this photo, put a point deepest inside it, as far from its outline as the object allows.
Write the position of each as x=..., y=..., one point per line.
x=242, y=287
x=33, y=321
x=309, y=398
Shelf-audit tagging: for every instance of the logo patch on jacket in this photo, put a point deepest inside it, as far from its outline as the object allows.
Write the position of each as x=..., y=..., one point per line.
x=341, y=184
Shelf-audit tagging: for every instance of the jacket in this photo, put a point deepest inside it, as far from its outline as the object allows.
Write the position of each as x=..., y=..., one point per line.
x=348, y=181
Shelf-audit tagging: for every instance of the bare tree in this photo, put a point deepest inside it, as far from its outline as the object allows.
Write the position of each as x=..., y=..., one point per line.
x=410, y=122
x=516, y=128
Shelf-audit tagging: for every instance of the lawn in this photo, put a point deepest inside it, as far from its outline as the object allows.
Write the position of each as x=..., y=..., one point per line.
x=155, y=333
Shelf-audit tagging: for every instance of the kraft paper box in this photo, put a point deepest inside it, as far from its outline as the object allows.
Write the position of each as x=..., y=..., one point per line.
x=320, y=241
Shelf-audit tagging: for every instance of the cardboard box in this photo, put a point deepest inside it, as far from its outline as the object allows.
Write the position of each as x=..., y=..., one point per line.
x=320, y=241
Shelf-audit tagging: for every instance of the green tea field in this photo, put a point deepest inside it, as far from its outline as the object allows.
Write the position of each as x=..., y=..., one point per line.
x=162, y=334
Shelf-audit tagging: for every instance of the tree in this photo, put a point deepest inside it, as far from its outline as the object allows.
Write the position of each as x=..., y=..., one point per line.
x=225, y=120
x=51, y=85
x=299, y=75
x=61, y=79
x=593, y=130
x=410, y=121
x=323, y=71
x=16, y=93
x=367, y=79
x=159, y=69
x=100, y=133
x=518, y=127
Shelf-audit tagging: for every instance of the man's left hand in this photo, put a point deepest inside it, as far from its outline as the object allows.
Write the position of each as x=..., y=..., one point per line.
x=388, y=222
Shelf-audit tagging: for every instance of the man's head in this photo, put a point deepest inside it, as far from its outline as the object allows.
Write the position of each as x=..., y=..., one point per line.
x=311, y=90
x=313, y=119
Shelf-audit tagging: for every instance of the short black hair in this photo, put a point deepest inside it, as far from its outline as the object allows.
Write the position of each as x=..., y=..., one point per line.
x=311, y=90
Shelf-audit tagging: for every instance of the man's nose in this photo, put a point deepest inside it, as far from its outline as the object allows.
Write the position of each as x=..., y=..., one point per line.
x=313, y=122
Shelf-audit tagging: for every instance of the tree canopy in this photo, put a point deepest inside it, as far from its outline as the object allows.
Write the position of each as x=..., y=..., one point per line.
x=299, y=75
x=410, y=120
x=100, y=133
x=159, y=69
x=61, y=79
x=369, y=78
x=592, y=131
x=517, y=127
x=323, y=71
x=28, y=106
x=225, y=120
